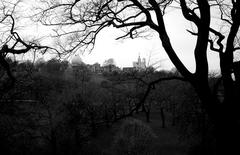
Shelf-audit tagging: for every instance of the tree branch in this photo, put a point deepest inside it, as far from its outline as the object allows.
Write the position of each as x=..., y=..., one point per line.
x=150, y=86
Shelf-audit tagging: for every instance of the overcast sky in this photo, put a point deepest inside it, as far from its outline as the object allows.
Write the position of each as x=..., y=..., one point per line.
x=127, y=51
x=124, y=52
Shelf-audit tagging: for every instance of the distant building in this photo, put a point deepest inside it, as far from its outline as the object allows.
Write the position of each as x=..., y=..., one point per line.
x=76, y=61
x=110, y=68
x=95, y=68
x=77, y=66
x=128, y=69
x=140, y=64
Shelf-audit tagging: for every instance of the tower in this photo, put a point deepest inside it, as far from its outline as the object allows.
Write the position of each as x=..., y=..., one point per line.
x=140, y=64
x=139, y=59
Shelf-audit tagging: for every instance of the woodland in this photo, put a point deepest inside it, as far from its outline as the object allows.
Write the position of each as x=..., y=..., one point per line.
x=45, y=110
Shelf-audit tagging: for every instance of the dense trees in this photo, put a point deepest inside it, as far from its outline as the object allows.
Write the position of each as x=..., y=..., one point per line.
x=48, y=110
x=60, y=115
x=135, y=16
x=57, y=114
x=77, y=24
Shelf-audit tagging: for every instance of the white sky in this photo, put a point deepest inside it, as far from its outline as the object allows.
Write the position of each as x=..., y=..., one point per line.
x=126, y=51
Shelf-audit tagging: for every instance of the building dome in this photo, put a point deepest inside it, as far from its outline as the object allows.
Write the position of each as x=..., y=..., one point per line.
x=77, y=61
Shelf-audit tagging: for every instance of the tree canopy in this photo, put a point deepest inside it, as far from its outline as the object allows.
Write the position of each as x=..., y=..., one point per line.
x=77, y=23
x=87, y=18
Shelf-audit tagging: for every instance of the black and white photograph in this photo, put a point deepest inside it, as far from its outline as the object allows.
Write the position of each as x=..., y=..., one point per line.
x=119, y=77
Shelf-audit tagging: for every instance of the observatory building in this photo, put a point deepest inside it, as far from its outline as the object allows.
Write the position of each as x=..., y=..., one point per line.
x=140, y=64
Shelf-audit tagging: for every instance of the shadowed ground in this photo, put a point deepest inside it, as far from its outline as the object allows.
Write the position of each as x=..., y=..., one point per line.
x=167, y=142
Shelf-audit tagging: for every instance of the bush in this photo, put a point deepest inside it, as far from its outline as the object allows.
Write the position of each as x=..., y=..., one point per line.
x=134, y=138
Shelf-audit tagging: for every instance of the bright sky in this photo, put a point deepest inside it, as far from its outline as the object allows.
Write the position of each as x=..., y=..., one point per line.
x=124, y=52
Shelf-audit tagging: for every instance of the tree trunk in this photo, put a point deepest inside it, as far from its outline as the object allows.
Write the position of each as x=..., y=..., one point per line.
x=228, y=133
x=114, y=114
x=107, y=119
x=162, y=117
x=209, y=103
x=93, y=125
x=137, y=109
x=147, y=112
x=76, y=135
x=173, y=120
x=143, y=108
x=224, y=119
x=174, y=117
x=53, y=142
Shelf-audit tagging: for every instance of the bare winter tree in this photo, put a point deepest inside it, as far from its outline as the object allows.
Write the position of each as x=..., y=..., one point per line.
x=11, y=43
x=78, y=22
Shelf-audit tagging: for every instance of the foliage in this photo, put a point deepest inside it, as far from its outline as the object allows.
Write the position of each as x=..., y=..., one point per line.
x=61, y=115
x=134, y=137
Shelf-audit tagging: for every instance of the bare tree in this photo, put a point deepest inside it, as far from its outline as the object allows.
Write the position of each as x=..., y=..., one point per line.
x=11, y=42
x=80, y=21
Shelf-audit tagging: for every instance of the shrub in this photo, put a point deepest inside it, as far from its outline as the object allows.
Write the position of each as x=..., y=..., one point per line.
x=134, y=138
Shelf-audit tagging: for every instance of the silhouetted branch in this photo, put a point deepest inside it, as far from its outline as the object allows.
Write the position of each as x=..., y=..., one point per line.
x=150, y=86
x=25, y=47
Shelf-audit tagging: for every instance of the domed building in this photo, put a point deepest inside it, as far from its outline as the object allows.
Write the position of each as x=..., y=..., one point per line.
x=76, y=61
x=78, y=68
